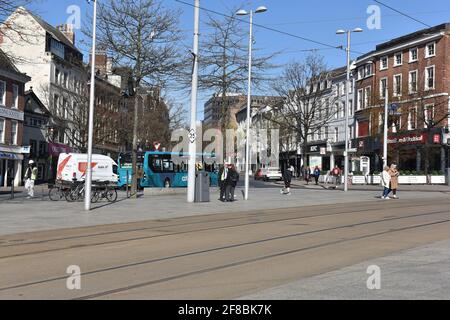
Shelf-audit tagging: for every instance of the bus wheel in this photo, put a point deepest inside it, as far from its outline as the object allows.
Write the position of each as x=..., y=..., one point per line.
x=167, y=183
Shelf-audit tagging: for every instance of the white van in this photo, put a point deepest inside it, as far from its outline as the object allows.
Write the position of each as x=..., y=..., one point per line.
x=74, y=165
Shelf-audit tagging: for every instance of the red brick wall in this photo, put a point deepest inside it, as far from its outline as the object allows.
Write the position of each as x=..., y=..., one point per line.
x=8, y=104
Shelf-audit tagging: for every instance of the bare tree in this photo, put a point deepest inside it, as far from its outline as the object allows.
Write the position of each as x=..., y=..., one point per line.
x=308, y=104
x=141, y=35
x=223, y=61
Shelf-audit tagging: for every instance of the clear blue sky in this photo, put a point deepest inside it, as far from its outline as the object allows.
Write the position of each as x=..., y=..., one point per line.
x=316, y=20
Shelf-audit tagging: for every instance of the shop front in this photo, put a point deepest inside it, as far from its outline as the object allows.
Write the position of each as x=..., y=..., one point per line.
x=10, y=166
x=317, y=156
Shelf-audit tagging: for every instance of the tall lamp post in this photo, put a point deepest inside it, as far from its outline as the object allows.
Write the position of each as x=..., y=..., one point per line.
x=87, y=194
x=193, y=129
x=247, y=134
x=347, y=88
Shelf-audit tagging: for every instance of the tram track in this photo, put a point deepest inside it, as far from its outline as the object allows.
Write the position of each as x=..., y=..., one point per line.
x=247, y=243
x=247, y=215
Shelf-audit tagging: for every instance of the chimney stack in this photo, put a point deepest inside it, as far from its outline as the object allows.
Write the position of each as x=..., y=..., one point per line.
x=67, y=30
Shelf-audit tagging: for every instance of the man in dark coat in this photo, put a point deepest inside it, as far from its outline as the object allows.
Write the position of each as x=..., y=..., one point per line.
x=287, y=178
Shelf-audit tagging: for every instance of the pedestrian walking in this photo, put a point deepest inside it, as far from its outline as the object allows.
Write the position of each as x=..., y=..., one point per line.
x=30, y=177
x=316, y=174
x=231, y=181
x=394, y=180
x=223, y=173
x=336, y=172
x=385, y=182
x=307, y=174
x=287, y=178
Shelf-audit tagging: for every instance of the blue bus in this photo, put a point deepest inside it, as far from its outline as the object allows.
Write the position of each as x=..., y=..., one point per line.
x=161, y=172
x=125, y=167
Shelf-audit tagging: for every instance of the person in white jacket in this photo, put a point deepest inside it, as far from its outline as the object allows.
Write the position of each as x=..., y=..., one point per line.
x=385, y=182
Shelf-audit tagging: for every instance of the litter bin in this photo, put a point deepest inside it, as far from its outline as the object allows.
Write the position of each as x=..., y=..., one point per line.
x=201, y=186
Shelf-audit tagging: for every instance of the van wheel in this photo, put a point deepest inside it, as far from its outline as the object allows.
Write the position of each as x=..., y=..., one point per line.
x=167, y=183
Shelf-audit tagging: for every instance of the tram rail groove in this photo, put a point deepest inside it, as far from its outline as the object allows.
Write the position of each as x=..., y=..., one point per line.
x=232, y=246
x=173, y=233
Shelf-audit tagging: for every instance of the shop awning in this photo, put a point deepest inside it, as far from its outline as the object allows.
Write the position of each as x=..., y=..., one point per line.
x=11, y=156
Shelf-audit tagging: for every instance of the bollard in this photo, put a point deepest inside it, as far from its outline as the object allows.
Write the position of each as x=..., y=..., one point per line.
x=12, y=189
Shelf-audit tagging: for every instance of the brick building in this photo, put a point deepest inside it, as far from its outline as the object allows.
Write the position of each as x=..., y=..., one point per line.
x=414, y=72
x=12, y=103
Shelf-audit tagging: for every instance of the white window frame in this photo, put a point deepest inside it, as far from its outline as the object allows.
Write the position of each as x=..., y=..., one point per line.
x=410, y=128
x=366, y=100
x=350, y=107
x=3, y=98
x=336, y=134
x=2, y=133
x=360, y=101
x=396, y=64
x=410, y=54
x=425, y=118
x=427, y=54
x=14, y=141
x=381, y=63
x=15, y=96
x=410, y=82
x=394, y=85
x=381, y=87
x=434, y=78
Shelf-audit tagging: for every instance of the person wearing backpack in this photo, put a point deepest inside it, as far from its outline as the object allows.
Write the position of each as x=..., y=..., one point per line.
x=223, y=174
x=232, y=180
x=316, y=174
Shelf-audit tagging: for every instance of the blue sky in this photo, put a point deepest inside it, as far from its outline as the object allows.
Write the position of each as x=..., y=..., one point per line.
x=316, y=20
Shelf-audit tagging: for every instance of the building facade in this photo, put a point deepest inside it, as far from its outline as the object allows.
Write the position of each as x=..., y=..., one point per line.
x=411, y=74
x=12, y=104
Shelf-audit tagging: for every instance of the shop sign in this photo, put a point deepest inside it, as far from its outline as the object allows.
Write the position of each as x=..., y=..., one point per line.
x=406, y=139
x=316, y=148
x=10, y=156
x=437, y=138
x=11, y=113
x=54, y=149
x=323, y=150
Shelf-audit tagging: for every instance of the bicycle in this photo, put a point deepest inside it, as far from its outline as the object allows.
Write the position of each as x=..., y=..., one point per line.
x=103, y=190
x=57, y=191
x=76, y=192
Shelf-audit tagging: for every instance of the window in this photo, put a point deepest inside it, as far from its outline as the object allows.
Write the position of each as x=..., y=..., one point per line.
x=397, y=85
x=383, y=63
x=360, y=72
x=360, y=99
x=412, y=81
x=350, y=107
x=64, y=111
x=398, y=59
x=429, y=78
x=61, y=136
x=15, y=100
x=57, y=76
x=65, y=80
x=368, y=69
x=42, y=148
x=336, y=134
x=430, y=50
x=428, y=116
x=2, y=92
x=412, y=119
x=380, y=122
x=336, y=111
x=14, y=132
x=367, y=96
x=2, y=130
x=383, y=87
x=343, y=110
x=56, y=104
x=413, y=54
x=33, y=148
x=343, y=89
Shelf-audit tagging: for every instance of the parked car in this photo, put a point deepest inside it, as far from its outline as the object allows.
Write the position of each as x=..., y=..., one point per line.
x=266, y=174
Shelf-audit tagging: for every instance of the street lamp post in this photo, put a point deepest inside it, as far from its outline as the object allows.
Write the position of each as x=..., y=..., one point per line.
x=193, y=124
x=88, y=183
x=347, y=88
x=247, y=131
